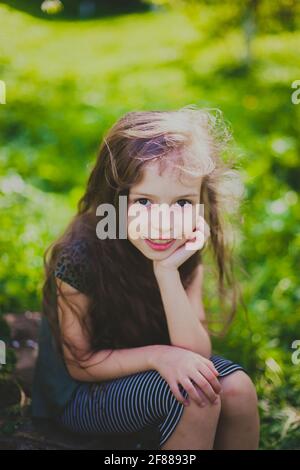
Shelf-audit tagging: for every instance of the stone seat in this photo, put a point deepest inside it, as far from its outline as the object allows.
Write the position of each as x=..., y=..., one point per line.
x=33, y=434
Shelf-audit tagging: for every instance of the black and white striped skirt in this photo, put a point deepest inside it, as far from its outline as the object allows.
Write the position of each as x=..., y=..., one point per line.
x=131, y=403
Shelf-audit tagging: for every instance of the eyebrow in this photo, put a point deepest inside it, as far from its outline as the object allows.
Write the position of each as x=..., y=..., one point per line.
x=152, y=195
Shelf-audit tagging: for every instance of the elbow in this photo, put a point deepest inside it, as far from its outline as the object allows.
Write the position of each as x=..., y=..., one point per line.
x=205, y=344
x=207, y=347
x=74, y=372
x=80, y=374
x=77, y=370
x=85, y=371
x=203, y=347
x=207, y=351
x=204, y=350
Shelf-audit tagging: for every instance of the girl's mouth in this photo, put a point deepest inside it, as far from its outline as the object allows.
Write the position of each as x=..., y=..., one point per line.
x=159, y=245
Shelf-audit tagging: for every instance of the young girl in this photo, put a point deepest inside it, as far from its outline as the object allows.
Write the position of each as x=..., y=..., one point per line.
x=124, y=339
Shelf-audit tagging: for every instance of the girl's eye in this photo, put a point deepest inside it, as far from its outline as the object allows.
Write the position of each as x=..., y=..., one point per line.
x=142, y=201
x=185, y=200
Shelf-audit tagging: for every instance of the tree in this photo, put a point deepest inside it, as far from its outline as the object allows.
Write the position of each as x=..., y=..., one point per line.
x=251, y=16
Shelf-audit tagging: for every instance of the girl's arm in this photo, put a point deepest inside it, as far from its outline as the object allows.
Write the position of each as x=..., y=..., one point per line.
x=181, y=309
x=102, y=365
x=194, y=293
x=107, y=365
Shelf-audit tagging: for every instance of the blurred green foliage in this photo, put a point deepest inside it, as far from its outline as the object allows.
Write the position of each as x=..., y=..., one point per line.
x=67, y=82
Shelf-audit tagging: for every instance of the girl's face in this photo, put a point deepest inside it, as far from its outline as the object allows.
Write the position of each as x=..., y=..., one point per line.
x=173, y=201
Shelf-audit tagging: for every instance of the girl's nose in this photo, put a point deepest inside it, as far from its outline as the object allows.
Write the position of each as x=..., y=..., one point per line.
x=163, y=223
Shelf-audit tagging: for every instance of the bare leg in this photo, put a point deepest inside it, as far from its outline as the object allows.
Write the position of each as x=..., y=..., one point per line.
x=196, y=428
x=239, y=425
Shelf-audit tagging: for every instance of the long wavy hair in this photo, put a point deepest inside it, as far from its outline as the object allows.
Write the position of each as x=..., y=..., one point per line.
x=125, y=307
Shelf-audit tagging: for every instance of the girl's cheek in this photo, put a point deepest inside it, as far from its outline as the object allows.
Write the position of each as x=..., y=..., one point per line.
x=185, y=223
x=137, y=221
x=142, y=222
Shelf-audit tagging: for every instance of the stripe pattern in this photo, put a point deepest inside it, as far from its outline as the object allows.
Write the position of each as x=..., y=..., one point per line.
x=129, y=404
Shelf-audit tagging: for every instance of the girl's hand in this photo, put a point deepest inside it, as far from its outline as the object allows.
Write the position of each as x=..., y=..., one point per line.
x=195, y=373
x=182, y=253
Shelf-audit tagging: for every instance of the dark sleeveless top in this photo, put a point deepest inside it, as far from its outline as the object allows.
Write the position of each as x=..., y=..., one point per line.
x=53, y=386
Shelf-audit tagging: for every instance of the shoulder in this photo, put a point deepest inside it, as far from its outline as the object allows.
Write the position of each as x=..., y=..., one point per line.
x=75, y=253
x=73, y=265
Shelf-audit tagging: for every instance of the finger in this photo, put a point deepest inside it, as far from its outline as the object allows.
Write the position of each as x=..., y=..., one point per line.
x=189, y=387
x=199, y=226
x=210, y=364
x=177, y=394
x=210, y=376
x=200, y=223
x=203, y=226
x=202, y=395
x=181, y=255
x=205, y=386
x=197, y=242
x=207, y=230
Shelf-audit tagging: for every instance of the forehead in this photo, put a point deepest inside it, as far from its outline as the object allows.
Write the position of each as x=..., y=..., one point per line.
x=169, y=182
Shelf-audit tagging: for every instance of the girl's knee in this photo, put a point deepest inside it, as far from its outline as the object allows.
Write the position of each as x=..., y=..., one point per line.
x=202, y=416
x=238, y=391
x=161, y=399
x=211, y=409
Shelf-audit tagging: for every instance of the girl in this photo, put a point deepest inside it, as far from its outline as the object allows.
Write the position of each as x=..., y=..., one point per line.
x=124, y=338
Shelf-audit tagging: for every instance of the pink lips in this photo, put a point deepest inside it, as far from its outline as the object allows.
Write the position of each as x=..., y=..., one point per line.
x=159, y=246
